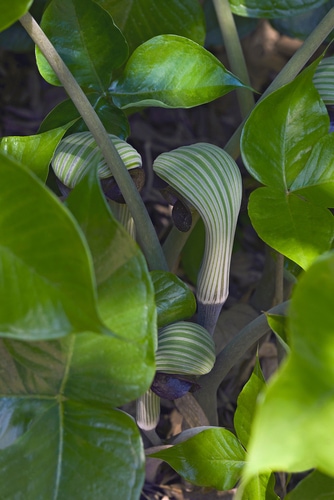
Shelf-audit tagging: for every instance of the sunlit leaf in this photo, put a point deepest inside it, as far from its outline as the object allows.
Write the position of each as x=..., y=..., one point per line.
x=292, y=226
x=34, y=151
x=280, y=133
x=268, y=8
x=164, y=72
x=11, y=12
x=86, y=38
x=140, y=20
x=212, y=458
x=296, y=412
x=47, y=287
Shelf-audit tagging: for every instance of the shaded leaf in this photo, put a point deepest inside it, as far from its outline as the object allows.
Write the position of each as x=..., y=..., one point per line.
x=281, y=131
x=292, y=226
x=11, y=12
x=34, y=151
x=261, y=487
x=47, y=287
x=246, y=404
x=298, y=402
x=278, y=324
x=315, y=486
x=174, y=299
x=164, y=72
x=212, y=458
x=140, y=20
x=87, y=40
x=323, y=80
x=267, y=8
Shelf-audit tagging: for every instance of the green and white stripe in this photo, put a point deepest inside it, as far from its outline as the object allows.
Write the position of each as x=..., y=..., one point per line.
x=148, y=411
x=77, y=153
x=324, y=80
x=185, y=348
x=207, y=177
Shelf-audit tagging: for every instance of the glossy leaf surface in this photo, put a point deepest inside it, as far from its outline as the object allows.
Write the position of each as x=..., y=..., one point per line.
x=261, y=487
x=174, y=300
x=140, y=20
x=212, y=458
x=34, y=151
x=47, y=286
x=246, y=404
x=125, y=291
x=315, y=486
x=113, y=119
x=291, y=225
x=164, y=72
x=298, y=403
x=267, y=8
x=45, y=429
x=281, y=131
x=11, y=12
x=87, y=40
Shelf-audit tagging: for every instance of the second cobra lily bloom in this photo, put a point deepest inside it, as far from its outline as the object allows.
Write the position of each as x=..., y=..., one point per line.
x=209, y=179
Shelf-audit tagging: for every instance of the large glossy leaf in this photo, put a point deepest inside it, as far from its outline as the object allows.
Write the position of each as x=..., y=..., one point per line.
x=316, y=181
x=113, y=119
x=87, y=40
x=316, y=486
x=213, y=458
x=174, y=299
x=34, y=151
x=11, y=12
x=47, y=287
x=292, y=425
x=261, y=487
x=65, y=446
x=268, y=8
x=280, y=133
x=291, y=225
x=165, y=72
x=125, y=291
x=140, y=20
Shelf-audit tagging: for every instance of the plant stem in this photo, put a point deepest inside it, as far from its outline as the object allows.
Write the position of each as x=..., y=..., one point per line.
x=228, y=357
x=146, y=234
x=234, y=53
x=290, y=71
x=176, y=240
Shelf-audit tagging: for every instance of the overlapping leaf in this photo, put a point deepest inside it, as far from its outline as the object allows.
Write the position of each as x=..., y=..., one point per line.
x=86, y=38
x=298, y=403
x=164, y=71
x=47, y=287
x=267, y=8
x=11, y=12
x=140, y=20
x=292, y=157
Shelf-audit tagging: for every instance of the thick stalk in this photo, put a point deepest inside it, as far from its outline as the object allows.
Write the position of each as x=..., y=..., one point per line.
x=176, y=241
x=147, y=237
x=228, y=357
x=234, y=53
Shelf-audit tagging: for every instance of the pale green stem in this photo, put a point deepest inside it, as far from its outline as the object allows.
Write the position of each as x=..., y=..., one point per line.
x=234, y=53
x=146, y=234
x=228, y=357
x=176, y=241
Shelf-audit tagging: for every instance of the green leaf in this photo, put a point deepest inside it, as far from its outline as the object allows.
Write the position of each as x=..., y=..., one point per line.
x=260, y=487
x=11, y=12
x=212, y=458
x=267, y=8
x=292, y=226
x=47, y=287
x=316, y=486
x=87, y=40
x=174, y=300
x=278, y=324
x=281, y=131
x=298, y=402
x=141, y=20
x=316, y=181
x=34, y=151
x=113, y=119
x=164, y=72
x=323, y=80
x=247, y=399
x=125, y=291
x=43, y=428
